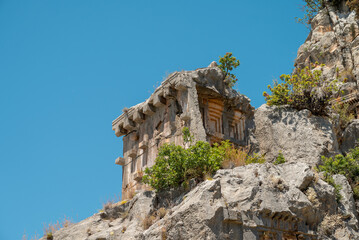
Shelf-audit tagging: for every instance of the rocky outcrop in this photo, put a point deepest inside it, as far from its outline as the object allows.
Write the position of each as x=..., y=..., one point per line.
x=299, y=135
x=333, y=40
x=347, y=206
x=285, y=201
x=350, y=136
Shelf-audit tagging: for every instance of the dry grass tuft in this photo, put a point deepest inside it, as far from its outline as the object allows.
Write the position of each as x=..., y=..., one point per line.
x=109, y=204
x=162, y=212
x=278, y=183
x=148, y=221
x=235, y=157
x=50, y=229
x=163, y=233
x=125, y=214
x=131, y=193
x=330, y=224
x=312, y=197
x=24, y=237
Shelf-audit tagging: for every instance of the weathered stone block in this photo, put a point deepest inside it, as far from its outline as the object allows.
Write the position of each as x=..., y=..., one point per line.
x=128, y=124
x=120, y=161
x=169, y=92
x=132, y=153
x=143, y=145
x=159, y=101
x=119, y=130
x=149, y=109
x=138, y=116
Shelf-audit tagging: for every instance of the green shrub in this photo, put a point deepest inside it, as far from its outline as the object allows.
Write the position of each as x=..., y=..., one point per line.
x=305, y=89
x=255, y=158
x=187, y=137
x=168, y=170
x=346, y=165
x=175, y=165
x=227, y=64
x=280, y=159
x=329, y=179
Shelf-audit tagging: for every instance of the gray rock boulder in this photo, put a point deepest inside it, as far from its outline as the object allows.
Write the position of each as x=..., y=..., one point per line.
x=299, y=135
x=347, y=204
x=350, y=136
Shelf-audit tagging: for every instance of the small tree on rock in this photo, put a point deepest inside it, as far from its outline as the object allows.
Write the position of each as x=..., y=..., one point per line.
x=227, y=64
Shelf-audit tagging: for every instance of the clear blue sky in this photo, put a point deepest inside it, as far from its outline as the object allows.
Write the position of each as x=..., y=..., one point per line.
x=68, y=68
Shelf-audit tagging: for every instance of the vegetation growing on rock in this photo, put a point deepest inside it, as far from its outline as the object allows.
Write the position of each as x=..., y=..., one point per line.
x=346, y=165
x=312, y=7
x=280, y=159
x=227, y=64
x=175, y=165
x=305, y=89
x=344, y=116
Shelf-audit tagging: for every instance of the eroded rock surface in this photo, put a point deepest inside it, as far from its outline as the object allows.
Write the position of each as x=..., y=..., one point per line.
x=299, y=135
x=334, y=41
x=350, y=136
x=284, y=201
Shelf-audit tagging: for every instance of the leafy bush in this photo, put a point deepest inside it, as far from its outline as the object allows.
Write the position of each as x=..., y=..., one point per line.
x=346, y=165
x=168, y=170
x=280, y=159
x=175, y=165
x=187, y=137
x=227, y=64
x=305, y=89
x=255, y=158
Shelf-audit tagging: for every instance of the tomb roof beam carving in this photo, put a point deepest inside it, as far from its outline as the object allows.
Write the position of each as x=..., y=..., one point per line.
x=149, y=109
x=159, y=100
x=138, y=116
x=120, y=161
x=128, y=124
x=119, y=130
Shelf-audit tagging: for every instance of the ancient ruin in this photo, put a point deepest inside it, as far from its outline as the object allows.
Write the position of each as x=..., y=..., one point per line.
x=199, y=100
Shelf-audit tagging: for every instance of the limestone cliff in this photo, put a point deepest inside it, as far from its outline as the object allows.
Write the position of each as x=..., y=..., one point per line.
x=334, y=41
